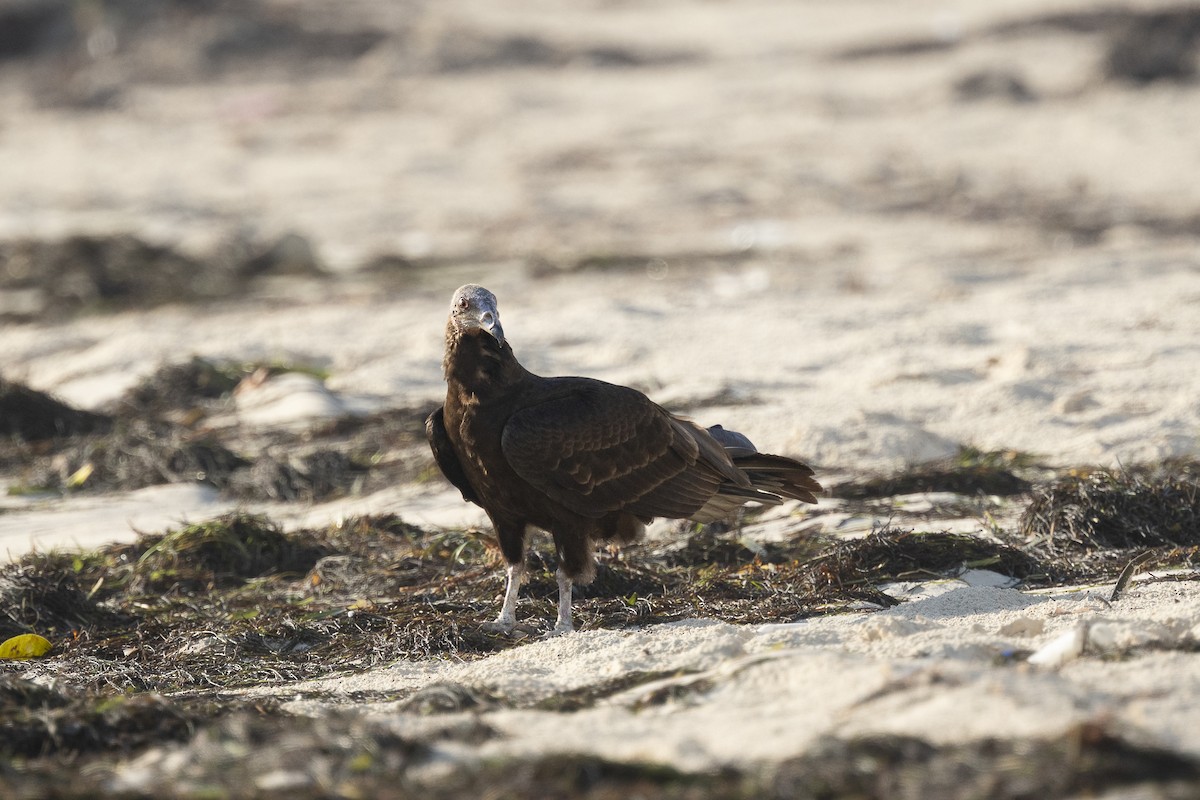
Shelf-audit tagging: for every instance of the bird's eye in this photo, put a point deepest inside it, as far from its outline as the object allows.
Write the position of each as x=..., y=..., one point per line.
x=463, y=303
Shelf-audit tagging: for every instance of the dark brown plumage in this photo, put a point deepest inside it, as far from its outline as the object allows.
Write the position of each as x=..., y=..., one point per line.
x=585, y=460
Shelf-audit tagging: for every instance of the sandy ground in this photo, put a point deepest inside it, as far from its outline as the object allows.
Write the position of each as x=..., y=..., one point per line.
x=927, y=668
x=794, y=231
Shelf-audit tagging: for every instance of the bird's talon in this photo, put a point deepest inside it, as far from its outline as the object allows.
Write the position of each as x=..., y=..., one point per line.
x=518, y=631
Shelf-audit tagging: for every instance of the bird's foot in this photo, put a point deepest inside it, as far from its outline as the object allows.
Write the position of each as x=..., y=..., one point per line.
x=501, y=624
x=559, y=630
x=513, y=630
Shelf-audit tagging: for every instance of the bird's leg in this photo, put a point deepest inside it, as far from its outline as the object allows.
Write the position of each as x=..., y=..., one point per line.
x=563, y=625
x=508, y=611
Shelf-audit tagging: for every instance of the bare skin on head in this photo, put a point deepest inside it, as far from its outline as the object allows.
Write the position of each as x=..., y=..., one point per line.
x=587, y=461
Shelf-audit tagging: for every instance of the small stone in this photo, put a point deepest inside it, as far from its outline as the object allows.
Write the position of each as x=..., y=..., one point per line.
x=1023, y=626
x=876, y=628
x=282, y=780
x=1075, y=402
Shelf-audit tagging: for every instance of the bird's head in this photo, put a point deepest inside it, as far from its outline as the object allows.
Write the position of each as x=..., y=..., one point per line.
x=475, y=307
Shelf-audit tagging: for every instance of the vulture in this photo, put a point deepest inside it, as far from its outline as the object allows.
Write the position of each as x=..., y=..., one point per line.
x=588, y=462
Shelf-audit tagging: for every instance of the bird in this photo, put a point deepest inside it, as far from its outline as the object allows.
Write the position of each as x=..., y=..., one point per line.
x=587, y=461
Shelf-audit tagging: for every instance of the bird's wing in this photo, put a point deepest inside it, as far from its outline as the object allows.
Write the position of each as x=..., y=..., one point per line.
x=446, y=458
x=596, y=448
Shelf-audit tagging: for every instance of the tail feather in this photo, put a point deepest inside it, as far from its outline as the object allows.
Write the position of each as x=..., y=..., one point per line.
x=780, y=475
x=772, y=479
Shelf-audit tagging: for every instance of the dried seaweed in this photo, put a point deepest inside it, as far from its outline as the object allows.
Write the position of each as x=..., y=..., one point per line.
x=447, y=698
x=37, y=721
x=136, y=454
x=1157, y=45
x=357, y=755
x=198, y=383
x=151, y=452
x=107, y=272
x=180, y=386
x=1106, y=510
x=85, y=272
x=48, y=601
x=970, y=472
x=221, y=552
x=29, y=415
x=1089, y=759
x=890, y=553
x=236, y=600
x=315, y=476
x=153, y=438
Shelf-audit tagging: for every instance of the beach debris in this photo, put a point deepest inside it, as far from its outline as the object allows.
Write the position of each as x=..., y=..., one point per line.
x=891, y=553
x=24, y=646
x=168, y=429
x=1062, y=649
x=154, y=452
x=29, y=415
x=135, y=454
x=38, y=596
x=993, y=83
x=58, y=277
x=446, y=698
x=224, y=551
x=317, y=475
x=1093, y=758
x=1155, y=45
x=290, y=254
x=969, y=472
x=79, y=477
x=1127, y=574
x=43, y=720
x=1106, y=509
x=181, y=387
x=98, y=272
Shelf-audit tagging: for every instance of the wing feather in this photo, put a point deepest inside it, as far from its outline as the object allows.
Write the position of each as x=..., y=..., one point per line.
x=596, y=448
x=446, y=457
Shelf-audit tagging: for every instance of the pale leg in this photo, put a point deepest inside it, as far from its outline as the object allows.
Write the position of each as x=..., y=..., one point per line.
x=564, y=606
x=508, y=611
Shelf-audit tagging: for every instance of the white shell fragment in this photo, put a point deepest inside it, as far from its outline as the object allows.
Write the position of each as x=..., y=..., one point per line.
x=1061, y=649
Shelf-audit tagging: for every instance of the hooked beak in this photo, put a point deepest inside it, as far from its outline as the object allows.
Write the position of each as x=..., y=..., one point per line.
x=490, y=322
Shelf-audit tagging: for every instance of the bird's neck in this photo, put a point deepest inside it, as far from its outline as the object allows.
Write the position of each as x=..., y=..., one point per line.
x=475, y=364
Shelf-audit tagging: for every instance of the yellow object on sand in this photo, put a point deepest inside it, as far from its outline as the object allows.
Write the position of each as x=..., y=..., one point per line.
x=27, y=645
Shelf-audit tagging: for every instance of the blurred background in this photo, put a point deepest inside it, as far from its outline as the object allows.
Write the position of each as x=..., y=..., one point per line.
x=871, y=232
x=155, y=150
